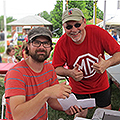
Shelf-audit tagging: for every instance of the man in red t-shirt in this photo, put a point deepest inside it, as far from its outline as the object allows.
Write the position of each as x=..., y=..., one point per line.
x=82, y=49
x=33, y=82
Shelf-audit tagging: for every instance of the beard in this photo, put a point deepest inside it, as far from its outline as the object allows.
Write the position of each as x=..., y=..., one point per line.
x=74, y=33
x=39, y=57
x=76, y=40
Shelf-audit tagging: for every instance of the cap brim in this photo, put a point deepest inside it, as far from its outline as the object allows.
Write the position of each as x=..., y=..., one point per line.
x=71, y=18
x=36, y=35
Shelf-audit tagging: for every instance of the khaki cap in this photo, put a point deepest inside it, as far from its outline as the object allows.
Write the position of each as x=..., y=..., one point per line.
x=72, y=14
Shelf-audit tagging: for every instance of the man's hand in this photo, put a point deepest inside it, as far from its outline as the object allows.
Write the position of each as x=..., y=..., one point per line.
x=72, y=110
x=76, y=74
x=79, y=112
x=82, y=113
x=59, y=90
x=101, y=66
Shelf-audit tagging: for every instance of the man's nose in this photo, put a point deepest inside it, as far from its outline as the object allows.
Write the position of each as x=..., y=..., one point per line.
x=41, y=45
x=74, y=28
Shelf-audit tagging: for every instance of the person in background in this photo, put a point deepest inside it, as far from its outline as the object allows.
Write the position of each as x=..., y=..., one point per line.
x=0, y=59
x=8, y=43
x=115, y=36
x=26, y=38
x=15, y=37
x=11, y=55
x=2, y=35
x=82, y=47
x=23, y=51
x=33, y=82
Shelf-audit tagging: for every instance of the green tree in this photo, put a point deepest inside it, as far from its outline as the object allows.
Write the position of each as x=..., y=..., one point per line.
x=99, y=14
x=56, y=17
x=2, y=22
x=85, y=6
x=8, y=19
x=45, y=15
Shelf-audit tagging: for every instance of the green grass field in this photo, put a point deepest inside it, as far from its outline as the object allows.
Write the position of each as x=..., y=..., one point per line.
x=55, y=115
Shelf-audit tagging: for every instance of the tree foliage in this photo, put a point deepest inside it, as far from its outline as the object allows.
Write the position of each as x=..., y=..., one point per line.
x=45, y=15
x=56, y=14
x=56, y=17
x=8, y=20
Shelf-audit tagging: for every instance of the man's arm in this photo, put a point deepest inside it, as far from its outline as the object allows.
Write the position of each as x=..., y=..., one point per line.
x=102, y=65
x=114, y=60
x=22, y=109
x=75, y=73
x=54, y=104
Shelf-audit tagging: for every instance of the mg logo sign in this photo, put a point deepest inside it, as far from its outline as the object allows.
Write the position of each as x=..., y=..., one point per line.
x=85, y=63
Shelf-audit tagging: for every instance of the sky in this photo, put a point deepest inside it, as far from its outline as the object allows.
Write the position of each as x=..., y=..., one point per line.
x=21, y=8
x=111, y=7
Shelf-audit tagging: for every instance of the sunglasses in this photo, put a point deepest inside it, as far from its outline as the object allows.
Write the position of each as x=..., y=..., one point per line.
x=77, y=25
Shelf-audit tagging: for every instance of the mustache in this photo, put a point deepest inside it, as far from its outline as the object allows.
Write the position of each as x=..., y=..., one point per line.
x=40, y=50
x=75, y=33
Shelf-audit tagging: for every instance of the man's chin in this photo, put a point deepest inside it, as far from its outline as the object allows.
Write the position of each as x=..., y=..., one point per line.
x=75, y=40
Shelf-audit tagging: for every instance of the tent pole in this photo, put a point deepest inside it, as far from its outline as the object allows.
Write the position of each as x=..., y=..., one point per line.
x=104, y=18
x=5, y=27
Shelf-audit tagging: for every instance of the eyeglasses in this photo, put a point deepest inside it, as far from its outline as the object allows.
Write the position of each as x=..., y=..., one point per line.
x=37, y=43
x=77, y=25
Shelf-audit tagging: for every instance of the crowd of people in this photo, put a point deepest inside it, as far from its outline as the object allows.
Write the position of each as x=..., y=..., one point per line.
x=33, y=81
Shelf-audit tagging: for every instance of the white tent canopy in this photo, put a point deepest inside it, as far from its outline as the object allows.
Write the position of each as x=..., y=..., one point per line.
x=112, y=21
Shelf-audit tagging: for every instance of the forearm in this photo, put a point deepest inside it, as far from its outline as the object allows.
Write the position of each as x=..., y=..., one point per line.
x=76, y=74
x=62, y=71
x=114, y=60
x=22, y=109
x=54, y=104
x=27, y=110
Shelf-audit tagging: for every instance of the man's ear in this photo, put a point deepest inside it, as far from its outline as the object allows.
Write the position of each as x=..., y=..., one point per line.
x=28, y=46
x=64, y=26
x=84, y=22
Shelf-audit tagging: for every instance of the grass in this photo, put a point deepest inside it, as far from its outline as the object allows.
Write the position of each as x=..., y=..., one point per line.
x=2, y=46
x=55, y=115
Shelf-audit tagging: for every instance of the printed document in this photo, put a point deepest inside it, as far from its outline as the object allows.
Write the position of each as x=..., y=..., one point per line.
x=72, y=100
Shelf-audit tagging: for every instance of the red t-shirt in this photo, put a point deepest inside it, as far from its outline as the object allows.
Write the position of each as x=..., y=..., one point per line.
x=97, y=41
x=22, y=80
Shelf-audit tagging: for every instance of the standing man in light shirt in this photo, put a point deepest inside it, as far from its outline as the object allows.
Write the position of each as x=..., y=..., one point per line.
x=15, y=37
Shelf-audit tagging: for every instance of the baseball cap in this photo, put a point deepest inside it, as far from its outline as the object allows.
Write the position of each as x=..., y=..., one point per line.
x=72, y=14
x=39, y=31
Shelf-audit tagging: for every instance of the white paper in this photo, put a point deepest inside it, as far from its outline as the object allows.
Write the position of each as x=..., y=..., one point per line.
x=80, y=118
x=72, y=100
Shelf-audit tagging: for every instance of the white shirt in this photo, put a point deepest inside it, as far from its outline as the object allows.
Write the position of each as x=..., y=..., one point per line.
x=15, y=37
